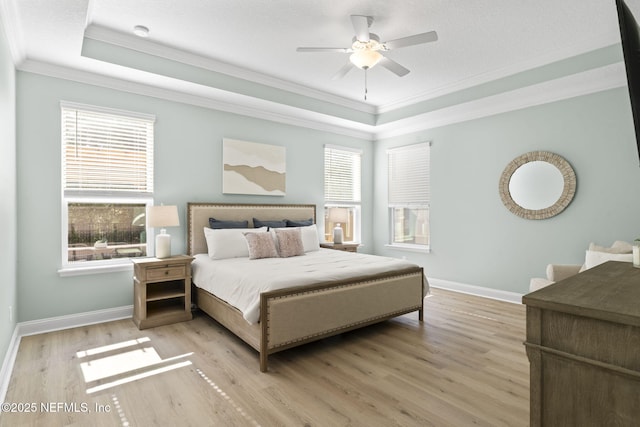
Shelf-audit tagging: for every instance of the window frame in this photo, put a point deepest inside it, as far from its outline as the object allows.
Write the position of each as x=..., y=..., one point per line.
x=115, y=196
x=354, y=203
x=410, y=201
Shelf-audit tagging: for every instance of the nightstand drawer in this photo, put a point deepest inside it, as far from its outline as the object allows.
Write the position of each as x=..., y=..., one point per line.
x=169, y=272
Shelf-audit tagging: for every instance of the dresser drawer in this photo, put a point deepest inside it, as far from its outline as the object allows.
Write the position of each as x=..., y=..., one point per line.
x=168, y=272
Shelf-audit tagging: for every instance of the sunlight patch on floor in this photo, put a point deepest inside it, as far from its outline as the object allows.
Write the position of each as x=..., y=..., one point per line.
x=122, y=365
x=123, y=418
x=111, y=347
x=228, y=398
x=119, y=364
x=138, y=377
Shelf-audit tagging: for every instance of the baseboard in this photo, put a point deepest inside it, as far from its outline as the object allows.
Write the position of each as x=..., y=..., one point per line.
x=53, y=324
x=7, y=364
x=480, y=291
x=73, y=320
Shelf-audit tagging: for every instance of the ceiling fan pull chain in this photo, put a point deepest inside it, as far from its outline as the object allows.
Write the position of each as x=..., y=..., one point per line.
x=365, y=84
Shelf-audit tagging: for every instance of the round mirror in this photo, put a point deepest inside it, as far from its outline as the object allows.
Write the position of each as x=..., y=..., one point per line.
x=537, y=185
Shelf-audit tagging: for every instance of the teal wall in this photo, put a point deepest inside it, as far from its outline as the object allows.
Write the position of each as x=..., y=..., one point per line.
x=188, y=159
x=475, y=240
x=8, y=208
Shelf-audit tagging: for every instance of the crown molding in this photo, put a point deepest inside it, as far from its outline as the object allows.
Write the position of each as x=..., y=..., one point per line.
x=10, y=20
x=575, y=49
x=106, y=35
x=587, y=82
x=211, y=98
x=584, y=83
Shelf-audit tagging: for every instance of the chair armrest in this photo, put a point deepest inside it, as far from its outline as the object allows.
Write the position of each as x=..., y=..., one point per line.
x=557, y=272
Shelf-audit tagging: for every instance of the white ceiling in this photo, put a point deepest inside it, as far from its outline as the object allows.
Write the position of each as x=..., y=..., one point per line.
x=479, y=40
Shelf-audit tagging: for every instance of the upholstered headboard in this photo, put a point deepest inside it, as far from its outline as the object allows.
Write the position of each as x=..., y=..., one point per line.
x=198, y=215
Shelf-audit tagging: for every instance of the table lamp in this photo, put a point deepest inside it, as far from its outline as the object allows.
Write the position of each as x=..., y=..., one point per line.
x=163, y=216
x=338, y=216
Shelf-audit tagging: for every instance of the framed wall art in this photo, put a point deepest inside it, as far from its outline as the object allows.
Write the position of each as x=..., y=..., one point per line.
x=253, y=168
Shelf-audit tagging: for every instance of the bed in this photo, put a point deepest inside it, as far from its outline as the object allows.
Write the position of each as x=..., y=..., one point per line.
x=300, y=313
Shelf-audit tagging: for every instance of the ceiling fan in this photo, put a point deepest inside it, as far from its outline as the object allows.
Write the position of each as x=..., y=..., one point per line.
x=366, y=47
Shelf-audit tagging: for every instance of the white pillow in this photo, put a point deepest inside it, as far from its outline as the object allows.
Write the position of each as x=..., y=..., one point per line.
x=228, y=242
x=618, y=247
x=310, y=240
x=594, y=258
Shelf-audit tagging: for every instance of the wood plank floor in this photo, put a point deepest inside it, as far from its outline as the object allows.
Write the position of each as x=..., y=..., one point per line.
x=464, y=365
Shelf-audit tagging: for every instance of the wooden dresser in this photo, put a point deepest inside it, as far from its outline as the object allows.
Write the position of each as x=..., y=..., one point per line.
x=583, y=345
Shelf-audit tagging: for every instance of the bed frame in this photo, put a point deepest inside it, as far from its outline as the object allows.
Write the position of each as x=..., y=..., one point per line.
x=294, y=316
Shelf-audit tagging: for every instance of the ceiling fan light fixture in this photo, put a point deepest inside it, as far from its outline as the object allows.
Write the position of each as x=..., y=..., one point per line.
x=365, y=59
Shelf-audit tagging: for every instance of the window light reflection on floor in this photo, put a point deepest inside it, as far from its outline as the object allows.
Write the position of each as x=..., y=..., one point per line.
x=119, y=364
x=111, y=347
x=227, y=398
x=122, y=364
x=138, y=376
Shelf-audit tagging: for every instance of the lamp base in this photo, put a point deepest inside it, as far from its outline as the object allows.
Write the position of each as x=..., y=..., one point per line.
x=337, y=235
x=163, y=245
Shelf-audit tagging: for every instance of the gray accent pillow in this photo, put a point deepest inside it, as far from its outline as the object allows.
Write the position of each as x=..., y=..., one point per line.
x=219, y=224
x=299, y=223
x=271, y=224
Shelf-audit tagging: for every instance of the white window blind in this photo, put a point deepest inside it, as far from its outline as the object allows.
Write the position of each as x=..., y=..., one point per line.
x=106, y=151
x=409, y=175
x=342, y=174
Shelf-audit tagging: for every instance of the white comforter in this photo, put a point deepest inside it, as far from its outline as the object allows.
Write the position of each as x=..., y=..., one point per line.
x=240, y=281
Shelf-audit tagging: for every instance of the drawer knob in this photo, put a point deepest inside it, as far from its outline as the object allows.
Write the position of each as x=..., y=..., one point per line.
x=166, y=273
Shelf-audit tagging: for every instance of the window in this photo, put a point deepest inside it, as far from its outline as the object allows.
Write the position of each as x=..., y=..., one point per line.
x=408, y=175
x=342, y=188
x=107, y=180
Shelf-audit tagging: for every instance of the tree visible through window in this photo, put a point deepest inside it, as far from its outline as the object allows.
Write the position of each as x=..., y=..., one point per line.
x=107, y=168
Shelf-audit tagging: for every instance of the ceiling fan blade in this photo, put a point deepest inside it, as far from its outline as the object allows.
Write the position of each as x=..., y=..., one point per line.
x=393, y=66
x=323, y=49
x=361, y=27
x=429, y=37
x=343, y=71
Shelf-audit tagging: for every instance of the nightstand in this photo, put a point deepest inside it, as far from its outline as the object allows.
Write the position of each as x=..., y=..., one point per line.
x=347, y=247
x=161, y=290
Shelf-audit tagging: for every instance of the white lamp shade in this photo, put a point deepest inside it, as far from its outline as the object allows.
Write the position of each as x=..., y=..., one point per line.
x=162, y=216
x=338, y=215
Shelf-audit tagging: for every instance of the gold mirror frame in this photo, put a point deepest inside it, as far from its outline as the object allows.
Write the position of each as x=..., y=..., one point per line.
x=569, y=190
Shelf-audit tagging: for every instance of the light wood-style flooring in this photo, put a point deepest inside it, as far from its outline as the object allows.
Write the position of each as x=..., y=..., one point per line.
x=464, y=365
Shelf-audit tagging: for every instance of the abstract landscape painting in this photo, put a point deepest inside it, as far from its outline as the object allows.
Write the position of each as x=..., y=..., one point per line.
x=252, y=168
